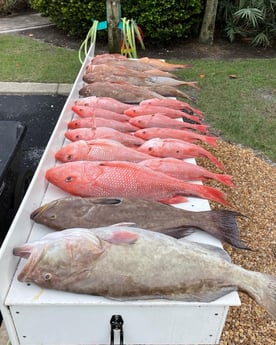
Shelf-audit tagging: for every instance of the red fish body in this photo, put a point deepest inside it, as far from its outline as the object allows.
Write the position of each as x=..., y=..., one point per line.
x=173, y=104
x=185, y=171
x=89, y=122
x=153, y=109
x=107, y=103
x=98, y=150
x=176, y=149
x=103, y=133
x=160, y=120
x=108, y=69
x=89, y=111
x=80, y=134
x=181, y=134
x=125, y=179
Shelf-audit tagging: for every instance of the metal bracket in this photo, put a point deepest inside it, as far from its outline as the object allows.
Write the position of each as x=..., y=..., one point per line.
x=116, y=323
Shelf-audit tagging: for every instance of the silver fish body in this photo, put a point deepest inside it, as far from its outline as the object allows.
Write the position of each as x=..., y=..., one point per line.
x=123, y=262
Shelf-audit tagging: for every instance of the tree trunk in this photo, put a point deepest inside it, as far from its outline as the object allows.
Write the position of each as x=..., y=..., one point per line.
x=206, y=35
x=113, y=13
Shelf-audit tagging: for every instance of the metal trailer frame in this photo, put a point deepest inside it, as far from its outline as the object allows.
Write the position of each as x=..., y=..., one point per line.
x=39, y=316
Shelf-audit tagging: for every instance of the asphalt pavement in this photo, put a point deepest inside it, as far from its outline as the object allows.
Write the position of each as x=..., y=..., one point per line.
x=37, y=107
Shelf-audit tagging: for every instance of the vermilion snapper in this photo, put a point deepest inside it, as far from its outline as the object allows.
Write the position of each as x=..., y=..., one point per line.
x=173, y=104
x=160, y=120
x=89, y=122
x=181, y=134
x=89, y=111
x=103, y=133
x=153, y=109
x=185, y=171
x=176, y=149
x=126, y=179
x=107, y=103
x=99, y=150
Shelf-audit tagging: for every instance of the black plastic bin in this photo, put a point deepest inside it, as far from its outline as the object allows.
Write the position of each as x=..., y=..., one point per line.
x=11, y=135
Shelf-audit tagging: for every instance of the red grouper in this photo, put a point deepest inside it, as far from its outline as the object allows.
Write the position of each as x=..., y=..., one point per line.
x=126, y=179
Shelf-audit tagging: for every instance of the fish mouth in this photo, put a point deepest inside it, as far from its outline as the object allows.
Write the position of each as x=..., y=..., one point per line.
x=26, y=272
x=39, y=210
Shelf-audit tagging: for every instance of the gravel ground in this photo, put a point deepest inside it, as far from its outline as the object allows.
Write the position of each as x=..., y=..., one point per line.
x=255, y=197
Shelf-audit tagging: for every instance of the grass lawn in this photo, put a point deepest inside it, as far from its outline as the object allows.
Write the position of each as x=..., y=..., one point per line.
x=238, y=97
x=23, y=59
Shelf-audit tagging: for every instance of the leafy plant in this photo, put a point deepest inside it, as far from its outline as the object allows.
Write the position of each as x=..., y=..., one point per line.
x=161, y=20
x=253, y=19
x=9, y=6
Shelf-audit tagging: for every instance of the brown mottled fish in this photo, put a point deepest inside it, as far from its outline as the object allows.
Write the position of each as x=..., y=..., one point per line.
x=92, y=212
x=121, y=91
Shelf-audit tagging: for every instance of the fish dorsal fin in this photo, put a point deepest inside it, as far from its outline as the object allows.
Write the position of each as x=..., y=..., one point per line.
x=119, y=237
x=107, y=201
x=124, y=224
x=213, y=250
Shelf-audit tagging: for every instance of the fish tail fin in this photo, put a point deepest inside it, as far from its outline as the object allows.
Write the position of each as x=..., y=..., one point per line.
x=213, y=159
x=192, y=84
x=215, y=195
x=201, y=128
x=211, y=141
x=205, y=192
x=263, y=291
x=225, y=179
x=222, y=224
x=197, y=112
x=193, y=118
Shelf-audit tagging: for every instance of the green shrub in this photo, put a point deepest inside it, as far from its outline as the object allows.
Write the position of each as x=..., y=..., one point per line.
x=11, y=6
x=159, y=19
x=252, y=19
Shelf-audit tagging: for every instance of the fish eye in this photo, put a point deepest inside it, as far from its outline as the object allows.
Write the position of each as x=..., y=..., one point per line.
x=77, y=137
x=47, y=276
x=68, y=179
x=69, y=157
x=150, y=148
x=53, y=216
x=144, y=132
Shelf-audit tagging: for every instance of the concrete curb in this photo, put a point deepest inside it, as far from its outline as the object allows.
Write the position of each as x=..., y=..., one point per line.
x=13, y=88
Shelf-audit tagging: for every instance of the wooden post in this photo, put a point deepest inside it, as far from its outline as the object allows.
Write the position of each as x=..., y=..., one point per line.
x=113, y=13
x=206, y=35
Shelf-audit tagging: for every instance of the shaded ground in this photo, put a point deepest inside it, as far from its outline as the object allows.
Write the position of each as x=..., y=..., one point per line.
x=221, y=49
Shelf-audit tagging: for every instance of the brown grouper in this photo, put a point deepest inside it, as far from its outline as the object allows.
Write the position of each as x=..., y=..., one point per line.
x=74, y=212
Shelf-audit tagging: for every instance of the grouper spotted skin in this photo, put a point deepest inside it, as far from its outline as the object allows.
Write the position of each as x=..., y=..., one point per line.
x=74, y=212
x=121, y=262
